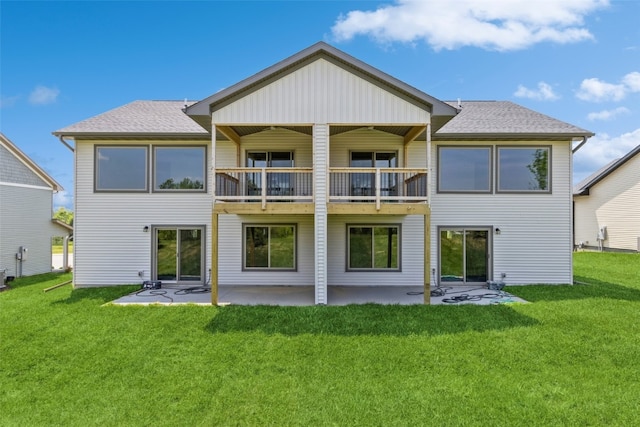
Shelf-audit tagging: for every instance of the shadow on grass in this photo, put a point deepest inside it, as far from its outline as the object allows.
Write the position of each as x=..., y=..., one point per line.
x=585, y=287
x=49, y=279
x=367, y=319
x=99, y=295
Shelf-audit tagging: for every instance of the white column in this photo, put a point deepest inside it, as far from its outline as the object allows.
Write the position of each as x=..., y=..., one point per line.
x=320, y=177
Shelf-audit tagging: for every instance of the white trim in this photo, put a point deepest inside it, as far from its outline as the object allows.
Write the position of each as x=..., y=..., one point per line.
x=37, y=187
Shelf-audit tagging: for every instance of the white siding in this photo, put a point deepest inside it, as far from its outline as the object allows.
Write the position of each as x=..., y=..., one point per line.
x=25, y=220
x=535, y=241
x=110, y=246
x=321, y=92
x=412, y=252
x=363, y=140
x=230, y=246
x=226, y=154
x=613, y=202
x=281, y=140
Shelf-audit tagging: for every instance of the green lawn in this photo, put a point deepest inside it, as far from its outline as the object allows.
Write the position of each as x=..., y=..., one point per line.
x=58, y=249
x=571, y=357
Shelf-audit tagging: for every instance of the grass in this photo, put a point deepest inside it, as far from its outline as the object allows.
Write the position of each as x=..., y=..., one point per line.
x=58, y=249
x=569, y=358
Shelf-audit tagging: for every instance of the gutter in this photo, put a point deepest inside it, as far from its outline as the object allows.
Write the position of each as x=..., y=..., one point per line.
x=61, y=138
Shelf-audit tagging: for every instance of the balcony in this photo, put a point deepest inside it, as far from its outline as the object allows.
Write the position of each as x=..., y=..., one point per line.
x=290, y=190
x=264, y=185
x=378, y=185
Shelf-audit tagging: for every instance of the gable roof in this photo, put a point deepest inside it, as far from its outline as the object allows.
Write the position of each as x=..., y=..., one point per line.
x=148, y=118
x=583, y=187
x=29, y=163
x=505, y=118
x=201, y=111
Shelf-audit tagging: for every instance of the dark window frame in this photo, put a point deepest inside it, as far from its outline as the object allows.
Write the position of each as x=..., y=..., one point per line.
x=489, y=148
x=154, y=169
x=524, y=147
x=397, y=269
x=96, y=169
x=246, y=226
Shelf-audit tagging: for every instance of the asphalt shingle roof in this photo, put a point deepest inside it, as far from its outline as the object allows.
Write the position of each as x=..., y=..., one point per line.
x=505, y=117
x=139, y=117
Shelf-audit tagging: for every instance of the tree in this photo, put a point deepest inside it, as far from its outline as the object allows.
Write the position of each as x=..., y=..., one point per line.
x=64, y=215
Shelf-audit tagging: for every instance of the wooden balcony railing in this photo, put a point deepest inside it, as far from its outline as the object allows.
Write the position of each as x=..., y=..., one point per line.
x=399, y=185
x=346, y=185
x=264, y=185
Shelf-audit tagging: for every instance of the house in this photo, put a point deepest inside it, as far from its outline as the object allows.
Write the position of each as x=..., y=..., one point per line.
x=322, y=170
x=26, y=212
x=607, y=206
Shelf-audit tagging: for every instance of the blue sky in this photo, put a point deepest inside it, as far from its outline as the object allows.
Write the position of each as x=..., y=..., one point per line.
x=63, y=62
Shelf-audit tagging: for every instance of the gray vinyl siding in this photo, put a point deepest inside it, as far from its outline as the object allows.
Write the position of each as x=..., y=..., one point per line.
x=534, y=245
x=613, y=202
x=230, y=250
x=25, y=220
x=110, y=246
x=321, y=92
x=412, y=252
x=12, y=170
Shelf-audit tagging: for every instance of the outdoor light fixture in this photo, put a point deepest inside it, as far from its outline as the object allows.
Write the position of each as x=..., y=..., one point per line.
x=146, y=229
x=498, y=231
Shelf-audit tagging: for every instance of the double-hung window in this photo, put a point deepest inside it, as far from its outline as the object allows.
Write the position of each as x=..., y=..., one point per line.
x=524, y=169
x=121, y=168
x=464, y=169
x=373, y=247
x=269, y=247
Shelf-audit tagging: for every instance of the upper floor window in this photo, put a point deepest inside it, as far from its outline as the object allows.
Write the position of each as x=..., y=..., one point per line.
x=119, y=168
x=464, y=169
x=524, y=169
x=179, y=168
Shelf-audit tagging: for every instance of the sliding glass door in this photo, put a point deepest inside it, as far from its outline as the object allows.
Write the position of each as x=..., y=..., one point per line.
x=464, y=255
x=179, y=254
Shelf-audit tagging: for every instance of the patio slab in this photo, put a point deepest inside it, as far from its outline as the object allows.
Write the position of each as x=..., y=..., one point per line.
x=304, y=295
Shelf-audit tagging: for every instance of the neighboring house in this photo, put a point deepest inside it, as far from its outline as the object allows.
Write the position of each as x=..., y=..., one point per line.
x=322, y=170
x=26, y=212
x=607, y=206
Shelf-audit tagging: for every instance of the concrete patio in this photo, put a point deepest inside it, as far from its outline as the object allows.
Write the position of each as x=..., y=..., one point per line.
x=304, y=295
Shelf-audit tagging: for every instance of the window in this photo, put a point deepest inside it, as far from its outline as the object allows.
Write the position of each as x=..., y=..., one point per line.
x=363, y=184
x=524, y=169
x=179, y=169
x=278, y=183
x=271, y=247
x=464, y=169
x=121, y=168
x=373, y=247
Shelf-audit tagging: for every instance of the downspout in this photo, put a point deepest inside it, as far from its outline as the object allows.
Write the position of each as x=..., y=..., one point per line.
x=577, y=147
x=61, y=138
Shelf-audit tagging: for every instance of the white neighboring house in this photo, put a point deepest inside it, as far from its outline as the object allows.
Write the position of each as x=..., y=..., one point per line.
x=607, y=206
x=322, y=170
x=26, y=213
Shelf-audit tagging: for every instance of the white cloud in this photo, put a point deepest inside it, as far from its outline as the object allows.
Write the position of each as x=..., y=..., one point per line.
x=600, y=150
x=63, y=199
x=608, y=114
x=43, y=95
x=544, y=92
x=632, y=81
x=596, y=90
x=488, y=24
